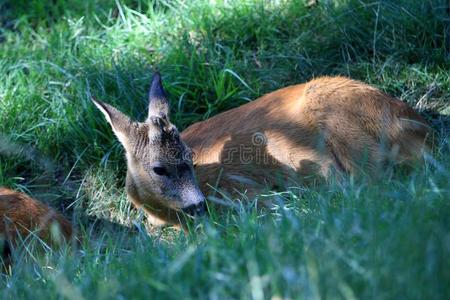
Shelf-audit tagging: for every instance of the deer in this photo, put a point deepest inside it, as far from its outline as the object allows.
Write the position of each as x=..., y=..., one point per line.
x=312, y=132
x=22, y=216
x=160, y=176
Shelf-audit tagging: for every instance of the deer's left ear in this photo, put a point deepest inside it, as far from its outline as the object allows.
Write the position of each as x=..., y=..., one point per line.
x=158, y=105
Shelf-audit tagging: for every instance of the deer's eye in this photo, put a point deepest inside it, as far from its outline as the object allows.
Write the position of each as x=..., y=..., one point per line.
x=161, y=171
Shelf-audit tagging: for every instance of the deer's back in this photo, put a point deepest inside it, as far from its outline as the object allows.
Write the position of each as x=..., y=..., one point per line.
x=305, y=131
x=21, y=214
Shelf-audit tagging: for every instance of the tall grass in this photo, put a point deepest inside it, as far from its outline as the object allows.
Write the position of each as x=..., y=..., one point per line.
x=362, y=240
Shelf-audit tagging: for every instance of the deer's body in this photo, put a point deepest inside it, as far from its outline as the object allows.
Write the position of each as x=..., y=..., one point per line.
x=21, y=215
x=328, y=126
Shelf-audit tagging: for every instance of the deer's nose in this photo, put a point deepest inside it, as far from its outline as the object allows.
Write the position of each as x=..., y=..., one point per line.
x=196, y=210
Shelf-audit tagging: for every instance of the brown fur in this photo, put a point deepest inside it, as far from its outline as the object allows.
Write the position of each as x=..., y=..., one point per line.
x=21, y=215
x=319, y=130
x=330, y=125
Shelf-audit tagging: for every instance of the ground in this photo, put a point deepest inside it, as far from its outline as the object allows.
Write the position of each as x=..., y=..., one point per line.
x=387, y=239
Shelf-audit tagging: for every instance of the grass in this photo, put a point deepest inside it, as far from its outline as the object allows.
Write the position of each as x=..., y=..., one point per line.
x=387, y=240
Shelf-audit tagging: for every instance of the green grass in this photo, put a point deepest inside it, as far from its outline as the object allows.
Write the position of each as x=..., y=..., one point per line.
x=384, y=240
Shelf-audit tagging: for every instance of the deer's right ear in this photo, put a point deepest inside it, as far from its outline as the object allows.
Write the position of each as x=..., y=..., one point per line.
x=158, y=105
x=120, y=123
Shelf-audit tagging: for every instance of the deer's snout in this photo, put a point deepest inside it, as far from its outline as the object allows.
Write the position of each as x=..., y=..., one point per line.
x=196, y=210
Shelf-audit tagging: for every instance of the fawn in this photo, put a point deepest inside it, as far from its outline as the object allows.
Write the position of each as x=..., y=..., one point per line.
x=21, y=215
x=324, y=128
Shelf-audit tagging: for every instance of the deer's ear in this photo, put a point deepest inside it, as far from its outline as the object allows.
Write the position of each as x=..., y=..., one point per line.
x=120, y=123
x=158, y=105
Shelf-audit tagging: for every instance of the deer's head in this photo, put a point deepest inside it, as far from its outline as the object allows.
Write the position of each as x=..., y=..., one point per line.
x=160, y=176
